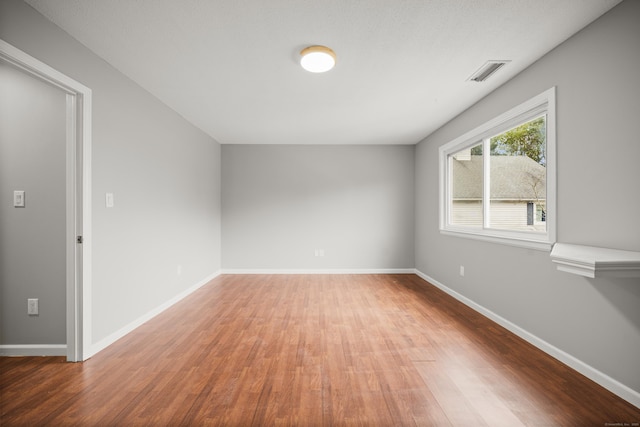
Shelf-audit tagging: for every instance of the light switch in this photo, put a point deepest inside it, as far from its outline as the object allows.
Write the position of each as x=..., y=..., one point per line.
x=32, y=307
x=18, y=199
x=109, y=200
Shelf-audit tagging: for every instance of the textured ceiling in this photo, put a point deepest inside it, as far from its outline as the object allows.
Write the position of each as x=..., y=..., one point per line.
x=231, y=67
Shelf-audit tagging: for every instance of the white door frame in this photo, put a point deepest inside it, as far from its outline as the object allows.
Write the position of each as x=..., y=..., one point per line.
x=78, y=200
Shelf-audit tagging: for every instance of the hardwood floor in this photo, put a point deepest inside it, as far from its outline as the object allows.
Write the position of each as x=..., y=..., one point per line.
x=379, y=350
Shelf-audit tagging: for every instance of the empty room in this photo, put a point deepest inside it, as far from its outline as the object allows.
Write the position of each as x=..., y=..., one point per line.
x=298, y=212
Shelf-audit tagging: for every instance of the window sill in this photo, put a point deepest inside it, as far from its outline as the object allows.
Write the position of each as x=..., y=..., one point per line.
x=590, y=261
x=520, y=242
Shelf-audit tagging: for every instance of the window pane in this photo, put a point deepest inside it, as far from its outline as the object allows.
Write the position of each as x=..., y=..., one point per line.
x=541, y=212
x=518, y=178
x=466, y=187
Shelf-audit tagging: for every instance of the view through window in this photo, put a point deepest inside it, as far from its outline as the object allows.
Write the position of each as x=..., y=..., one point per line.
x=496, y=178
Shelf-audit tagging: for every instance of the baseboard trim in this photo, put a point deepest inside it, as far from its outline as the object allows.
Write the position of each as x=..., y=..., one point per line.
x=588, y=371
x=33, y=350
x=105, y=342
x=320, y=271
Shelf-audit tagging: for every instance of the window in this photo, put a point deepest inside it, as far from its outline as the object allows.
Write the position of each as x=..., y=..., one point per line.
x=497, y=182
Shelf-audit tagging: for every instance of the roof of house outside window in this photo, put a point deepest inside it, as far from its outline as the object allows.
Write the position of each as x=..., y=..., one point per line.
x=512, y=178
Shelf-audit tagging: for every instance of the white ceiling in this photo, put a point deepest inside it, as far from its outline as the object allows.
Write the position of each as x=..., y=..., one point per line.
x=231, y=68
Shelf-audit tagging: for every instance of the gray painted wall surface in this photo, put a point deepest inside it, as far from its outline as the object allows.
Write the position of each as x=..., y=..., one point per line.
x=598, y=106
x=32, y=239
x=281, y=202
x=164, y=173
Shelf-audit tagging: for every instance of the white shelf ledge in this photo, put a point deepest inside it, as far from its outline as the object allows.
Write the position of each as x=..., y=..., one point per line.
x=590, y=261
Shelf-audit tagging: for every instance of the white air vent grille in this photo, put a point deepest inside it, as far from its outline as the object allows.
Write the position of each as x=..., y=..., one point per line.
x=487, y=70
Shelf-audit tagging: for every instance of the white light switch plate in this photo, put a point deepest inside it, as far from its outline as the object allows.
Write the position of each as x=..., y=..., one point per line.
x=18, y=199
x=32, y=307
x=109, y=200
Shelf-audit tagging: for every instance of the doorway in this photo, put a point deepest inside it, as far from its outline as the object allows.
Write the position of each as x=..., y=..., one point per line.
x=45, y=224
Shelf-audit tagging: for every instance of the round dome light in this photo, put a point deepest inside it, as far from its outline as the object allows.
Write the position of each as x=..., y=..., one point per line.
x=317, y=59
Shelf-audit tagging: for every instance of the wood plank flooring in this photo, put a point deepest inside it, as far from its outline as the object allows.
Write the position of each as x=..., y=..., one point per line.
x=310, y=350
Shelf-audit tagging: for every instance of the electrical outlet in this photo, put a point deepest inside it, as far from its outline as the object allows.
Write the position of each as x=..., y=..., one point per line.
x=462, y=270
x=179, y=270
x=32, y=306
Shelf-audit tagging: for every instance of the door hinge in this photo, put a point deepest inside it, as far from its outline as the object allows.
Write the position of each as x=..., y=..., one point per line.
x=79, y=239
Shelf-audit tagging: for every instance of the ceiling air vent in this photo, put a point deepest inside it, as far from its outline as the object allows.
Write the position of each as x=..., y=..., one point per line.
x=487, y=70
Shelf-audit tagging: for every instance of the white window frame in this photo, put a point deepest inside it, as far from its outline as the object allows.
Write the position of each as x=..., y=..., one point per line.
x=544, y=103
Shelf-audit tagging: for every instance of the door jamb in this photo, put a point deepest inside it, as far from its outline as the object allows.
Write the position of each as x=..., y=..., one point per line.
x=78, y=204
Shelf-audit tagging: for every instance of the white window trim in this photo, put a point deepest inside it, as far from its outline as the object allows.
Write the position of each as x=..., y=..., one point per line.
x=545, y=101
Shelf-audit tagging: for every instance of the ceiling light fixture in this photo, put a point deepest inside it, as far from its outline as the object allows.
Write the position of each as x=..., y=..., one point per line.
x=317, y=59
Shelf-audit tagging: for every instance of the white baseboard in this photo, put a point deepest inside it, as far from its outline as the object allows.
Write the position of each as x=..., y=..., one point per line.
x=105, y=342
x=320, y=271
x=614, y=386
x=33, y=350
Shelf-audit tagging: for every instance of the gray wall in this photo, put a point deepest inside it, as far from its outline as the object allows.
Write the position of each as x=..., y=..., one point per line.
x=32, y=159
x=164, y=173
x=598, y=106
x=282, y=202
